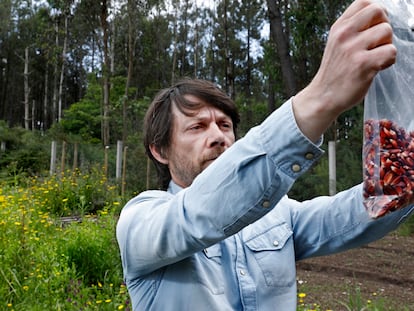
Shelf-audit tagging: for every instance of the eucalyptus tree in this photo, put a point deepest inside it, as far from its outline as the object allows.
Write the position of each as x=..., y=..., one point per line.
x=227, y=44
x=45, y=60
x=14, y=39
x=182, y=26
x=106, y=75
x=206, y=47
x=153, y=64
x=5, y=32
x=278, y=12
x=299, y=31
x=26, y=21
x=250, y=20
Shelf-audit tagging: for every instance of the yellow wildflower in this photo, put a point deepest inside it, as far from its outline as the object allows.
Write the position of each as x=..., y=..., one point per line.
x=301, y=295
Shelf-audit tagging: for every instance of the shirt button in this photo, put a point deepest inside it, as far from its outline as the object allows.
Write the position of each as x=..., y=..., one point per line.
x=266, y=204
x=296, y=168
x=242, y=272
x=309, y=156
x=275, y=243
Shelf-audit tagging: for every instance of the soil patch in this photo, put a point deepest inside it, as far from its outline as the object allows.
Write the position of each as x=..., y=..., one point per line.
x=381, y=272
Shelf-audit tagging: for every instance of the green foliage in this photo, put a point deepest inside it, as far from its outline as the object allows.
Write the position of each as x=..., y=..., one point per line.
x=137, y=164
x=407, y=228
x=347, y=132
x=45, y=265
x=74, y=193
x=251, y=114
x=311, y=184
x=26, y=154
x=83, y=118
x=91, y=250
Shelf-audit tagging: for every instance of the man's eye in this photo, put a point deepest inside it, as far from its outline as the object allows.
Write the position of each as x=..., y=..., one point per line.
x=195, y=127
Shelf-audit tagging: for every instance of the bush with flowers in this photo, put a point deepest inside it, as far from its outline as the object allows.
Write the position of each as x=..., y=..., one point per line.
x=50, y=264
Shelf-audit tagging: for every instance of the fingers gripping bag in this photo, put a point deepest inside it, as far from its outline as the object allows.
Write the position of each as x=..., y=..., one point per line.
x=388, y=146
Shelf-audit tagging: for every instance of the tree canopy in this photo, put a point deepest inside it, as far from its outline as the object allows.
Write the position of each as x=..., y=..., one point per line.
x=88, y=68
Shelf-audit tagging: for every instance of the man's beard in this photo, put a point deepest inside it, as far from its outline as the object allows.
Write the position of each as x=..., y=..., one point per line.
x=186, y=172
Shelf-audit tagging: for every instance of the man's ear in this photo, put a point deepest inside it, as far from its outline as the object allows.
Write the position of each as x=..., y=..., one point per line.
x=158, y=155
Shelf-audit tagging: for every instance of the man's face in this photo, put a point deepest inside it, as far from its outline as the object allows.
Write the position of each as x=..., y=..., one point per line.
x=197, y=140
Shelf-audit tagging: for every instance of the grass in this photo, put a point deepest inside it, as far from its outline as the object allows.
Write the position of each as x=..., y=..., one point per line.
x=355, y=302
x=45, y=265
x=353, y=299
x=48, y=265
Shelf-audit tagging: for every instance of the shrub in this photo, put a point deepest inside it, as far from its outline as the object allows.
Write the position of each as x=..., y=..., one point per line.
x=77, y=193
x=47, y=266
x=90, y=249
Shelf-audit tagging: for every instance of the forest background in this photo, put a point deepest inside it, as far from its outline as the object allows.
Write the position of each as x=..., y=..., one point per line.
x=76, y=77
x=82, y=73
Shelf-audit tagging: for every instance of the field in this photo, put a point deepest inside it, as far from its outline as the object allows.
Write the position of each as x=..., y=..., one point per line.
x=48, y=263
x=380, y=274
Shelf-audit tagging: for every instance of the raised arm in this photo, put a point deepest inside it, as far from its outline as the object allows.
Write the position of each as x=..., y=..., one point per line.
x=358, y=47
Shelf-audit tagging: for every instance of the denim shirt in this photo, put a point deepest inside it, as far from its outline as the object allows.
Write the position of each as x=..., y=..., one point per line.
x=231, y=240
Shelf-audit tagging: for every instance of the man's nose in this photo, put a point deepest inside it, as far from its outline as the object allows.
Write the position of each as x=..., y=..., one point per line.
x=216, y=136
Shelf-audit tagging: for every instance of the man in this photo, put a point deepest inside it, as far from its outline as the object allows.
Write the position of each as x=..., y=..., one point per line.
x=222, y=234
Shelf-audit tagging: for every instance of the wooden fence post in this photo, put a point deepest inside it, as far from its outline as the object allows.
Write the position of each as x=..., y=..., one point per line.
x=106, y=161
x=123, y=184
x=75, y=157
x=53, y=158
x=118, y=159
x=63, y=157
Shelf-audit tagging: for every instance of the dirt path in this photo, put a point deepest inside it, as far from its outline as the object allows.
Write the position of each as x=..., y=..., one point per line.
x=381, y=271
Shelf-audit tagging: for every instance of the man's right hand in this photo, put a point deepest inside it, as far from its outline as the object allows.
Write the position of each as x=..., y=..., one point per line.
x=359, y=46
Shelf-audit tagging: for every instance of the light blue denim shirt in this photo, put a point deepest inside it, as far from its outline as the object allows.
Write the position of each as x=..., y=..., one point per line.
x=231, y=240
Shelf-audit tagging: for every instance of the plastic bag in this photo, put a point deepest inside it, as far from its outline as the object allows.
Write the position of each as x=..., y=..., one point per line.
x=388, y=149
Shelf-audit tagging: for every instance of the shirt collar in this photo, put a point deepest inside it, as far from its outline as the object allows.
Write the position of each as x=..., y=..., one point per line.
x=173, y=188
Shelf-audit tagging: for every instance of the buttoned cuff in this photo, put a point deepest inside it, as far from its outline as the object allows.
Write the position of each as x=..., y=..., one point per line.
x=290, y=150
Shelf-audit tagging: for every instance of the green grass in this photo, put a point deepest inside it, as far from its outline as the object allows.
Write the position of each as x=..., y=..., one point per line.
x=48, y=265
x=45, y=265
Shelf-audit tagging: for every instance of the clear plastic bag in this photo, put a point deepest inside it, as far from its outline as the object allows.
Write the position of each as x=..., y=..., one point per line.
x=388, y=150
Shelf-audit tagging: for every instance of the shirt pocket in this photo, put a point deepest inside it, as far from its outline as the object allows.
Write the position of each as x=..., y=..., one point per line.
x=272, y=251
x=210, y=270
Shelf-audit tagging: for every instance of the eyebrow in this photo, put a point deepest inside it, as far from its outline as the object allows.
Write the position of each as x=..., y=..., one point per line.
x=221, y=116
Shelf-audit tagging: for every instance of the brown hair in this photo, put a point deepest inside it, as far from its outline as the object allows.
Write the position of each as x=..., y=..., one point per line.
x=158, y=122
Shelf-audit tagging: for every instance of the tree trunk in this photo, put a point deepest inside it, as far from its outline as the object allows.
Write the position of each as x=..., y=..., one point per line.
x=271, y=102
x=175, y=39
x=45, y=122
x=196, y=51
x=184, y=37
x=248, y=87
x=131, y=46
x=229, y=75
x=280, y=37
x=55, y=75
x=33, y=114
x=26, y=90
x=62, y=69
x=106, y=73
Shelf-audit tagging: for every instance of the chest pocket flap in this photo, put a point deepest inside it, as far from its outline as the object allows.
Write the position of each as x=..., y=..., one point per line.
x=213, y=251
x=272, y=239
